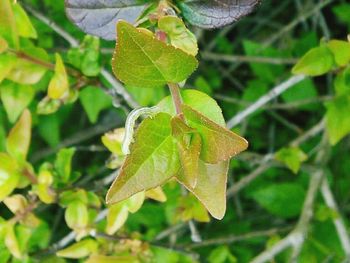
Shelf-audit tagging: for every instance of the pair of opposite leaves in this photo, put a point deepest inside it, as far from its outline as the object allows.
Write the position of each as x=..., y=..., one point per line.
x=193, y=147
x=99, y=17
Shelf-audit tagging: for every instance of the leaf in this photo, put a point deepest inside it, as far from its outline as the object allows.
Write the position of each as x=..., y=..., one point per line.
x=337, y=118
x=140, y=60
x=58, y=86
x=49, y=129
x=80, y=249
x=94, y=100
x=214, y=14
x=315, y=62
x=156, y=194
x=26, y=72
x=76, y=215
x=7, y=62
x=275, y=198
x=292, y=157
x=342, y=82
x=112, y=259
x=15, y=98
x=341, y=51
x=18, y=140
x=189, y=145
x=211, y=187
x=11, y=241
x=8, y=28
x=9, y=175
x=178, y=33
x=100, y=17
x=218, y=143
x=3, y=45
x=116, y=217
x=63, y=164
x=152, y=161
x=134, y=203
x=190, y=208
x=23, y=24
x=113, y=140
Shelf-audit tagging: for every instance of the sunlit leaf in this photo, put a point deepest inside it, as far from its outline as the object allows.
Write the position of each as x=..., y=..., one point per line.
x=18, y=140
x=58, y=86
x=141, y=60
x=80, y=249
x=156, y=194
x=214, y=14
x=292, y=157
x=113, y=140
x=63, y=163
x=99, y=18
x=3, y=44
x=76, y=215
x=11, y=241
x=112, y=259
x=15, y=98
x=9, y=175
x=218, y=143
x=8, y=28
x=152, y=161
x=23, y=24
x=341, y=51
x=7, y=62
x=116, y=217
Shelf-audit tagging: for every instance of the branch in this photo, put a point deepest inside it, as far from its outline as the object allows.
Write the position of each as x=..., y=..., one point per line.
x=275, y=92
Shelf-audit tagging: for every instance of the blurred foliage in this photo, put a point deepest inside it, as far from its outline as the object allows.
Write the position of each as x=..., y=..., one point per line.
x=58, y=120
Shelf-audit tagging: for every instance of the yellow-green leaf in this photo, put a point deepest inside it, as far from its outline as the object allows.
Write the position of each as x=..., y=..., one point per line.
x=3, y=44
x=153, y=159
x=58, y=86
x=18, y=140
x=7, y=62
x=9, y=175
x=16, y=98
x=190, y=208
x=23, y=24
x=156, y=194
x=80, y=249
x=112, y=259
x=341, y=51
x=113, y=140
x=116, y=217
x=218, y=143
x=12, y=242
x=76, y=215
x=211, y=187
x=315, y=62
x=8, y=28
x=292, y=157
x=178, y=33
x=141, y=60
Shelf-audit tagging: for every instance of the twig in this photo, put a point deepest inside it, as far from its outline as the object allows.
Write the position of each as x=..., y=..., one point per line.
x=176, y=96
x=275, y=92
x=338, y=221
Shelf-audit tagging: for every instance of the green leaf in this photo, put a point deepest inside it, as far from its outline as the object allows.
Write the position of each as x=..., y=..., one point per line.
x=58, y=86
x=11, y=241
x=63, y=164
x=178, y=33
x=211, y=187
x=18, y=140
x=112, y=259
x=190, y=208
x=337, y=118
x=116, y=217
x=221, y=254
x=277, y=197
x=341, y=51
x=94, y=100
x=23, y=24
x=292, y=157
x=80, y=249
x=76, y=215
x=3, y=45
x=16, y=98
x=26, y=72
x=7, y=62
x=141, y=60
x=218, y=143
x=342, y=82
x=113, y=140
x=8, y=28
x=315, y=62
x=152, y=161
x=189, y=145
x=9, y=175
x=49, y=129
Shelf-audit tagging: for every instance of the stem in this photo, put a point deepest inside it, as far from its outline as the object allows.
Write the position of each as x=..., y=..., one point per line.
x=176, y=96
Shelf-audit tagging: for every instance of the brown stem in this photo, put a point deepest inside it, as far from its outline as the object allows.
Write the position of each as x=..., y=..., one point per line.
x=176, y=96
x=31, y=177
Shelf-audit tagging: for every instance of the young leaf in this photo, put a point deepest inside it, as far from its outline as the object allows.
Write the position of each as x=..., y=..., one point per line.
x=8, y=28
x=16, y=98
x=341, y=51
x=211, y=187
x=140, y=60
x=292, y=157
x=156, y=194
x=94, y=100
x=214, y=14
x=76, y=215
x=9, y=175
x=23, y=24
x=218, y=143
x=190, y=208
x=11, y=241
x=58, y=86
x=3, y=44
x=116, y=217
x=7, y=62
x=79, y=250
x=178, y=33
x=315, y=62
x=99, y=17
x=337, y=118
x=152, y=161
x=63, y=164
x=189, y=145
x=18, y=140
x=113, y=140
